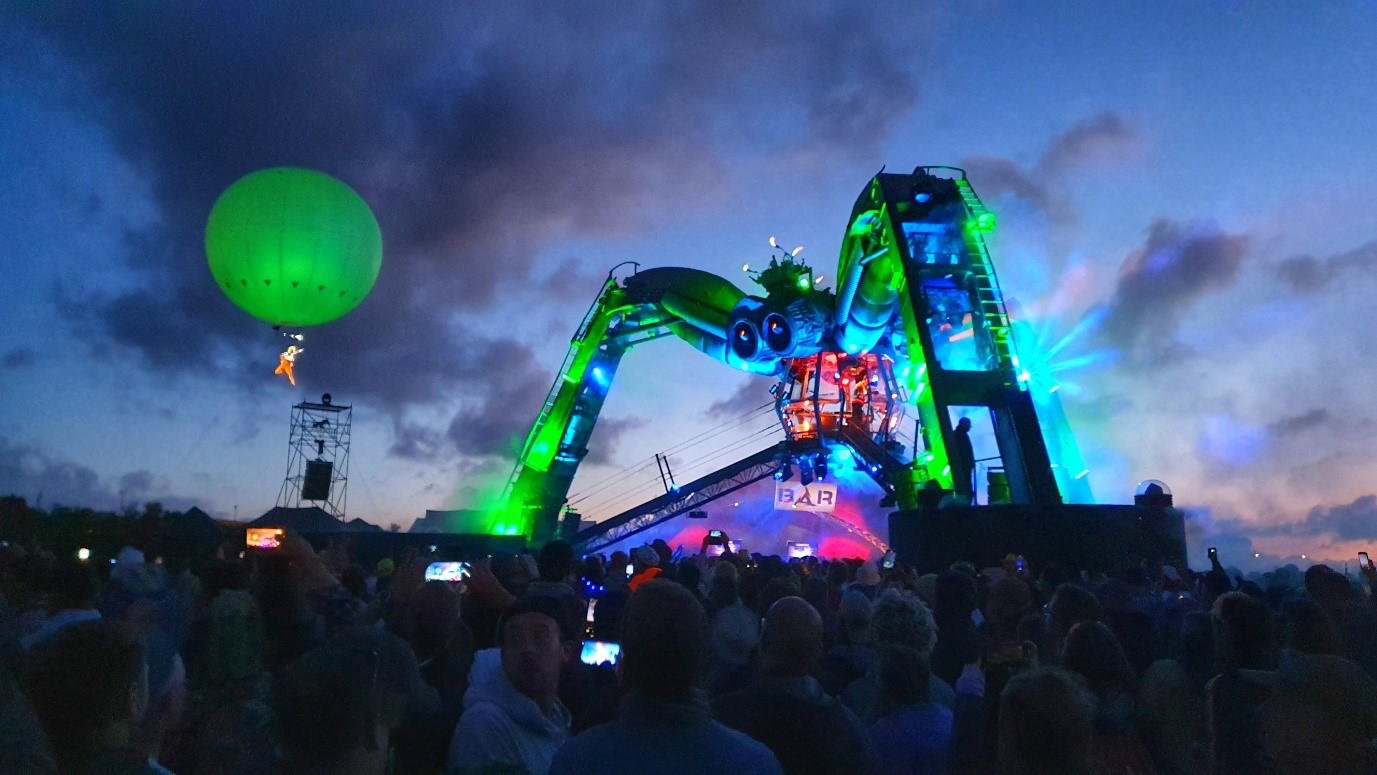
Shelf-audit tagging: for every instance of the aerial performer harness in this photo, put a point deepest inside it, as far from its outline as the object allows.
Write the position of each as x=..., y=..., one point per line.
x=286, y=360
x=293, y=247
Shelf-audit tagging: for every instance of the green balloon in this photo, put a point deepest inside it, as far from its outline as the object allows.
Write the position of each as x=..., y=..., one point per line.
x=293, y=247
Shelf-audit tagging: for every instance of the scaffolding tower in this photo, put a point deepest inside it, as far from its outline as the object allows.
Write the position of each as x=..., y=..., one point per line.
x=318, y=457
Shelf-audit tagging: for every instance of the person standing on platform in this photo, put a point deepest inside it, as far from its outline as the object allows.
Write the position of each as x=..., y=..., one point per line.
x=962, y=459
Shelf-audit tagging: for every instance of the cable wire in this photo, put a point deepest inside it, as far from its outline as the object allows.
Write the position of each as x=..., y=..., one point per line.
x=632, y=497
x=583, y=495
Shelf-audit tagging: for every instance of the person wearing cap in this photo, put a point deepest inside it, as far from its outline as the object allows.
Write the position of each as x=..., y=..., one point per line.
x=647, y=566
x=867, y=580
x=512, y=713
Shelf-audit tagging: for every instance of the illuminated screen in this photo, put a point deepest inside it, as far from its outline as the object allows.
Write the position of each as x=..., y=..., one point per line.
x=599, y=652
x=264, y=537
x=447, y=571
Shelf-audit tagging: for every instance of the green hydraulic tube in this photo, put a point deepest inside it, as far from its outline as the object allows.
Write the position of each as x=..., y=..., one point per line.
x=558, y=439
x=689, y=303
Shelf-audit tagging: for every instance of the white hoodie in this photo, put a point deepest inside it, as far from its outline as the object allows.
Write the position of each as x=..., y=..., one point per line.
x=500, y=724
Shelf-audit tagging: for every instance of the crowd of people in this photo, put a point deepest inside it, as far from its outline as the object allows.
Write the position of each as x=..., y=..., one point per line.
x=297, y=660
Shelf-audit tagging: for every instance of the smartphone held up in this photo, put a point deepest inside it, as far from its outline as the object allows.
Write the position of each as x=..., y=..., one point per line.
x=453, y=572
x=264, y=537
x=600, y=652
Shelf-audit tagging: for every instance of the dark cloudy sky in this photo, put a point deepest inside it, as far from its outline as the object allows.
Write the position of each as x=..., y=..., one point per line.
x=1186, y=189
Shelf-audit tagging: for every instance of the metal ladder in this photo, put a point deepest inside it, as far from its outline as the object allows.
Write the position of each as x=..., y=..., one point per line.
x=991, y=298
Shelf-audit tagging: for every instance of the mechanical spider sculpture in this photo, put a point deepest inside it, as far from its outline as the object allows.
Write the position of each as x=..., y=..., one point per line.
x=917, y=325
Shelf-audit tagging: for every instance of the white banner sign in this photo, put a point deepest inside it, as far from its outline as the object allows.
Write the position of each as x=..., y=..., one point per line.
x=818, y=496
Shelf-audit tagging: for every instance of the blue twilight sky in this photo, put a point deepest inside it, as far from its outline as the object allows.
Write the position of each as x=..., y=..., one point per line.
x=1185, y=194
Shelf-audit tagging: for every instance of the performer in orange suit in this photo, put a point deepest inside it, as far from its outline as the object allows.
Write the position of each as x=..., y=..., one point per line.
x=286, y=360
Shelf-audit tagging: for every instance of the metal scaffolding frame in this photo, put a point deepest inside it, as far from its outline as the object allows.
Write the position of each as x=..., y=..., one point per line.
x=744, y=472
x=319, y=434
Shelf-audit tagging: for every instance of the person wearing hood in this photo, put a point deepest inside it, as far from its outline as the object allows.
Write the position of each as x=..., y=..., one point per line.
x=647, y=566
x=512, y=712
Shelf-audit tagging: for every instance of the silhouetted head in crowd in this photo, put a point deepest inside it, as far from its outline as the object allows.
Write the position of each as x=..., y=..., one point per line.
x=536, y=639
x=904, y=678
x=1330, y=589
x=791, y=640
x=838, y=573
x=776, y=589
x=1308, y=630
x=338, y=704
x=901, y=619
x=725, y=569
x=354, y=579
x=432, y=619
x=556, y=561
x=1054, y=575
x=662, y=549
x=1195, y=651
x=1136, y=576
x=1251, y=588
x=926, y=587
x=72, y=586
x=287, y=621
x=1094, y=652
x=690, y=576
x=1073, y=604
x=1243, y=632
x=224, y=574
x=1033, y=628
x=815, y=592
x=644, y=558
x=1217, y=582
x=724, y=585
x=664, y=642
x=616, y=565
x=608, y=615
x=856, y=616
x=593, y=568
x=227, y=660
x=1321, y=718
x=1319, y=581
x=1010, y=600
x=527, y=569
x=1045, y=719
x=955, y=597
x=88, y=686
x=723, y=592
